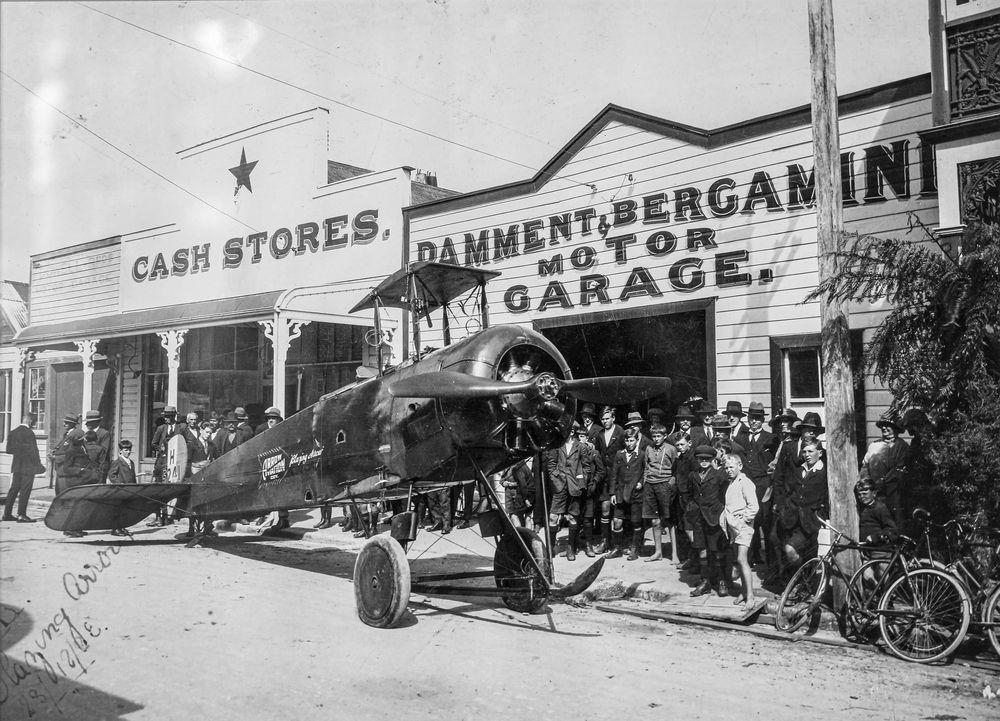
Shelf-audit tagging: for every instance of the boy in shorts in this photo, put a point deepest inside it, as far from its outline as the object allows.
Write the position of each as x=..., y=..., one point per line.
x=659, y=488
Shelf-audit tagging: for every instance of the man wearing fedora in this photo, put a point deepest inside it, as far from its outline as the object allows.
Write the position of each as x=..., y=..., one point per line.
x=683, y=420
x=760, y=447
x=97, y=446
x=244, y=431
x=884, y=465
x=636, y=420
x=734, y=412
x=66, y=456
x=703, y=433
x=226, y=438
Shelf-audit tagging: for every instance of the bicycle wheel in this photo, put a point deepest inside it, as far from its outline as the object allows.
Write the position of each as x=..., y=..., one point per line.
x=800, y=599
x=924, y=615
x=991, y=617
x=867, y=586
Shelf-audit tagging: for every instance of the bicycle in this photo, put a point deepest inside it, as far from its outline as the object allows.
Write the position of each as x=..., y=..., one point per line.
x=922, y=613
x=985, y=595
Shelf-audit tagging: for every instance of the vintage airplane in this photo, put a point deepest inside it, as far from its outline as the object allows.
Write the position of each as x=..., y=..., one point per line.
x=449, y=416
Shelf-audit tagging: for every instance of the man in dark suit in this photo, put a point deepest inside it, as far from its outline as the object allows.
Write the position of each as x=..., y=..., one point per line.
x=97, y=446
x=226, y=438
x=625, y=486
x=704, y=433
x=760, y=447
x=26, y=464
x=243, y=429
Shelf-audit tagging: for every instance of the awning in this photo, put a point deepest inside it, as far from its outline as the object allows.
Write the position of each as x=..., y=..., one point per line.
x=259, y=306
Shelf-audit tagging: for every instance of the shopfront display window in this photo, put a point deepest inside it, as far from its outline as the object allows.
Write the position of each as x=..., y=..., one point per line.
x=804, y=372
x=37, y=394
x=325, y=357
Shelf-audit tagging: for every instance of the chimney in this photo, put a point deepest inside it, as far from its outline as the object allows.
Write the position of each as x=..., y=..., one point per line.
x=419, y=176
x=431, y=178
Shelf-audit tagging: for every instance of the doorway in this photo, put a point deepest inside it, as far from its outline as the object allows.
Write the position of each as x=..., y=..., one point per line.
x=676, y=345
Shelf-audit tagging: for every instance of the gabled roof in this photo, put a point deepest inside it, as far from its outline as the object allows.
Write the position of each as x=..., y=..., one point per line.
x=708, y=139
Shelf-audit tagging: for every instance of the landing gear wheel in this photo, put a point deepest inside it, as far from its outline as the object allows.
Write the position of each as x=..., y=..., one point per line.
x=381, y=582
x=515, y=574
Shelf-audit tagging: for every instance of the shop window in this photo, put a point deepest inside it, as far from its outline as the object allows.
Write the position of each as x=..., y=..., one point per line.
x=325, y=357
x=37, y=394
x=5, y=409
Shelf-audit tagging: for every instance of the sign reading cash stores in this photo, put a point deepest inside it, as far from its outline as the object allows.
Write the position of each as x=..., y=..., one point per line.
x=348, y=232
x=646, y=246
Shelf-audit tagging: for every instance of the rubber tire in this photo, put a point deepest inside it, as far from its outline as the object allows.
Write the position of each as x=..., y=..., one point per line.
x=509, y=561
x=957, y=601
x=381, y=582
x=860, y=625
x=991, y=616
x=805, y=577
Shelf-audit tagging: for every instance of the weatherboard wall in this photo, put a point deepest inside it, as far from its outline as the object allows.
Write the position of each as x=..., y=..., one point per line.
x=765, y=251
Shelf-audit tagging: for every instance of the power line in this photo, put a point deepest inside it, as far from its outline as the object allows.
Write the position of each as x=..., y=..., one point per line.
x=302, y=89
x=134, y=159
x=390, y=78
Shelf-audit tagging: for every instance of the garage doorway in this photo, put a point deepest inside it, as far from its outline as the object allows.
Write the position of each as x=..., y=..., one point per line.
x=676, y=342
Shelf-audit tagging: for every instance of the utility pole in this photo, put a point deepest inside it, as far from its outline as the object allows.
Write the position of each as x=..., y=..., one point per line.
x=838, y=384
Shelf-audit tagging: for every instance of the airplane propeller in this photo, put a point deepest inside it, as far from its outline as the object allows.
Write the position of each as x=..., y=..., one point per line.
x=609, y=390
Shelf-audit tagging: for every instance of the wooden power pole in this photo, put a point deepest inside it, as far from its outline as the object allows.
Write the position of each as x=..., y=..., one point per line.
x=838, y=383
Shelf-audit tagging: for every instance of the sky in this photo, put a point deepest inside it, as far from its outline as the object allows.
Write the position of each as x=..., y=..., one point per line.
x=96, y=98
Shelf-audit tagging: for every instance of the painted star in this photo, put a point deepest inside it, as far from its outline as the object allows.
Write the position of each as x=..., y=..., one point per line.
x=242, y=173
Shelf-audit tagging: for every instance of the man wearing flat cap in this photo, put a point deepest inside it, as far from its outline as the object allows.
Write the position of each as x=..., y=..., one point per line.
x=884, y=465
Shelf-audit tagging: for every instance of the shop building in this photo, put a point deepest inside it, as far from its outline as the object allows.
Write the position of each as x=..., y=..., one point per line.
x=965, y=48
x=650, y=247
x=243, y=305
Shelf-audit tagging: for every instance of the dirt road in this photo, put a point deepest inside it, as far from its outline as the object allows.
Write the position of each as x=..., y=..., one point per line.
x=266, y=629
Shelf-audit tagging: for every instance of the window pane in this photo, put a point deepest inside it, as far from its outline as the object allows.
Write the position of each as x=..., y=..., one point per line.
x=247, y=349
x=223, y=345
x=5, y=409
x=804, y=373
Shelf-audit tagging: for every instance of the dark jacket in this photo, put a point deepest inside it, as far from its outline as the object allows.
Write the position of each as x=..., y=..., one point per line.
x=570, y=469
x=21, y=444
x=706, y=495
x=810, y=497
x=625, y=479
x=121, y=472
x=758, y=455
x=522, y=479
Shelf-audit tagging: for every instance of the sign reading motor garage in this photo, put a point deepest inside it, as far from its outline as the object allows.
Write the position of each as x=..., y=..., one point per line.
x=636, y=235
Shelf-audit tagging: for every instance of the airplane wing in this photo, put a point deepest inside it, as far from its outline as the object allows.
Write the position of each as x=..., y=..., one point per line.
x=104, y=506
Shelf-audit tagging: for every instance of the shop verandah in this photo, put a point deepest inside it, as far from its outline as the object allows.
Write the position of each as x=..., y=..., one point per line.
x=209, y=357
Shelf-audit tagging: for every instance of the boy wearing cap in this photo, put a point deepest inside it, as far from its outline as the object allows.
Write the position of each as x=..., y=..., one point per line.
x=625, y=485
x=706, y=502
x=272, y=417
x=659, y=488
x=884, y=464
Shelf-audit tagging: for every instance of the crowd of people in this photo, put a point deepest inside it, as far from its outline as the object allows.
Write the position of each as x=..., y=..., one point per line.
x=717, y=490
